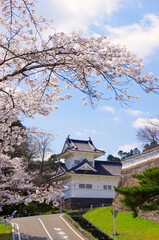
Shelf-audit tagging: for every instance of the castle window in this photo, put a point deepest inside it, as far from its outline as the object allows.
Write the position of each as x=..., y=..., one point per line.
x=105, y=187
x=89, y=186
x=109, y=187
x=81, y=185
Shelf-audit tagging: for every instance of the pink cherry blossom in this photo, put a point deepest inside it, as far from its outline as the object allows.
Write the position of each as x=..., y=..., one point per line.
x=34, y=71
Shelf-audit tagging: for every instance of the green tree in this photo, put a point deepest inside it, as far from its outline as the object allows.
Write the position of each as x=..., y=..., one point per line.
x=150, y=146
x=144, y=197
x=112, y=158
x=52, y=162
x=128, y=154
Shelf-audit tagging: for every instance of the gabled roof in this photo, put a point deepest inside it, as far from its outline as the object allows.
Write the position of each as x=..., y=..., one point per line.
x=79, y=146
x=83, y=166
x=107, y=168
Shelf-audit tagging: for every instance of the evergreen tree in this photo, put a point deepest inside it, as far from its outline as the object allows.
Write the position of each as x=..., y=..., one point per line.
x=128, y=154
x=112, y=158
x=145, y=196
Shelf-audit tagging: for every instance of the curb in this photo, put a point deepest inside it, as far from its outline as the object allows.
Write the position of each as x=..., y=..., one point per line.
x=79, y=228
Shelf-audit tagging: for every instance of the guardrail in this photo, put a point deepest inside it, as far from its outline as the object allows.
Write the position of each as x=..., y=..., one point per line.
x=28, y=214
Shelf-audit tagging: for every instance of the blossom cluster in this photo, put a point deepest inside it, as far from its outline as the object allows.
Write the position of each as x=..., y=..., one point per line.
x=35, y=73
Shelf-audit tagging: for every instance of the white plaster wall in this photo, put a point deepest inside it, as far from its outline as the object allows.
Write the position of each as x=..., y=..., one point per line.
x=97, y=190
x=69, y=162
x=140, y=158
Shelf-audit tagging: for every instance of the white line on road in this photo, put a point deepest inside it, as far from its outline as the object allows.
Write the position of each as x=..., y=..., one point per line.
x=45, y=229
x=19, y=237
x=71, y=228
x=13, y=231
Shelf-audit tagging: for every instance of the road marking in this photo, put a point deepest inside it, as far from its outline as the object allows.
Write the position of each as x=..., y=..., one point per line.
x=61, y=233
x=45, y=229
x=71, y=227
x=13, y=231
x=19, y=237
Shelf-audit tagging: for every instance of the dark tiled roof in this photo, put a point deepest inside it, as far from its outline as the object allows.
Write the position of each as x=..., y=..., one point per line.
x=80, y=145
x=101, y=167
x=108, y=168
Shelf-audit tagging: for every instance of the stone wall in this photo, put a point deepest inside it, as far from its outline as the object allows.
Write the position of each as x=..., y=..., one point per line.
x=77, y=203
x=126, y=179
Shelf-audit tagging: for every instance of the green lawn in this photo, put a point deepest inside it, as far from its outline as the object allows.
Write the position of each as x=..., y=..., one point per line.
x=128, y=227
x=5, y=232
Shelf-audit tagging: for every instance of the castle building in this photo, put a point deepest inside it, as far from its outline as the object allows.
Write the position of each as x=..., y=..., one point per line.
x=89, y=181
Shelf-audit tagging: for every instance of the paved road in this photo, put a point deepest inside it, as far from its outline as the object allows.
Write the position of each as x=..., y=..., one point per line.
x=48, y=227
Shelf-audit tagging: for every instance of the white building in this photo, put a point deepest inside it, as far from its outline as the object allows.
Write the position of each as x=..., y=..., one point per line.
x=89, y=181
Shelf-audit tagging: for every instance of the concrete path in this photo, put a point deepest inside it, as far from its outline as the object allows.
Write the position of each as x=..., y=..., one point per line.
x=46, y=227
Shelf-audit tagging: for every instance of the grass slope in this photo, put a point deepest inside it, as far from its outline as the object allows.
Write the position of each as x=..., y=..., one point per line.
x=128, y=227
x=5, y=232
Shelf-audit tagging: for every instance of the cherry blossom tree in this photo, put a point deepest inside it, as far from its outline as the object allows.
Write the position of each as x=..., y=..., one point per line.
x=43, y=145
x=36, y=69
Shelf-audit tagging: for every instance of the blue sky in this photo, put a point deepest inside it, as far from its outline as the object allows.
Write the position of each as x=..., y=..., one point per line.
x=112, y=127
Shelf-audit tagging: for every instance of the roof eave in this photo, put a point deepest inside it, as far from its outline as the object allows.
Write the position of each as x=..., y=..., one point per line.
x=68, y=152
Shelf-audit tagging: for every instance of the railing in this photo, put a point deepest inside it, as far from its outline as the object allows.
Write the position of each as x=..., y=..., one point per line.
x=92, y=206
x=32, y=214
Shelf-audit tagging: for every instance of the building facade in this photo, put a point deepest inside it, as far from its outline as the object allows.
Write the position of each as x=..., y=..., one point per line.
x=89, y=181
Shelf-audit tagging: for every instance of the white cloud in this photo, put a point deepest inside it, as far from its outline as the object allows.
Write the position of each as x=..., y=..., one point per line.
x=134, y=112
x=128, y=147
x=143, y=122
x=141, y=38
x=74, y=14
x=139, y=122
x=117, y=119
x=79, y=134
x=107, y=109
x=47, y=155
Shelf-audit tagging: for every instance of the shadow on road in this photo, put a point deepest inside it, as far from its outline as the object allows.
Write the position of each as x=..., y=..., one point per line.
x=28, y=237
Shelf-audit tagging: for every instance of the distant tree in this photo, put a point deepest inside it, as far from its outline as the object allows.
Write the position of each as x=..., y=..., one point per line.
x=26, y=148
x=116, y=159
x=145, y=196
x=112, y=158
x=131, y=152
x=52, y=162
x=43, y=145
x=148, y=135
x=150, y=146
x=136, y=151
x=120, y=153
x=128, y=154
